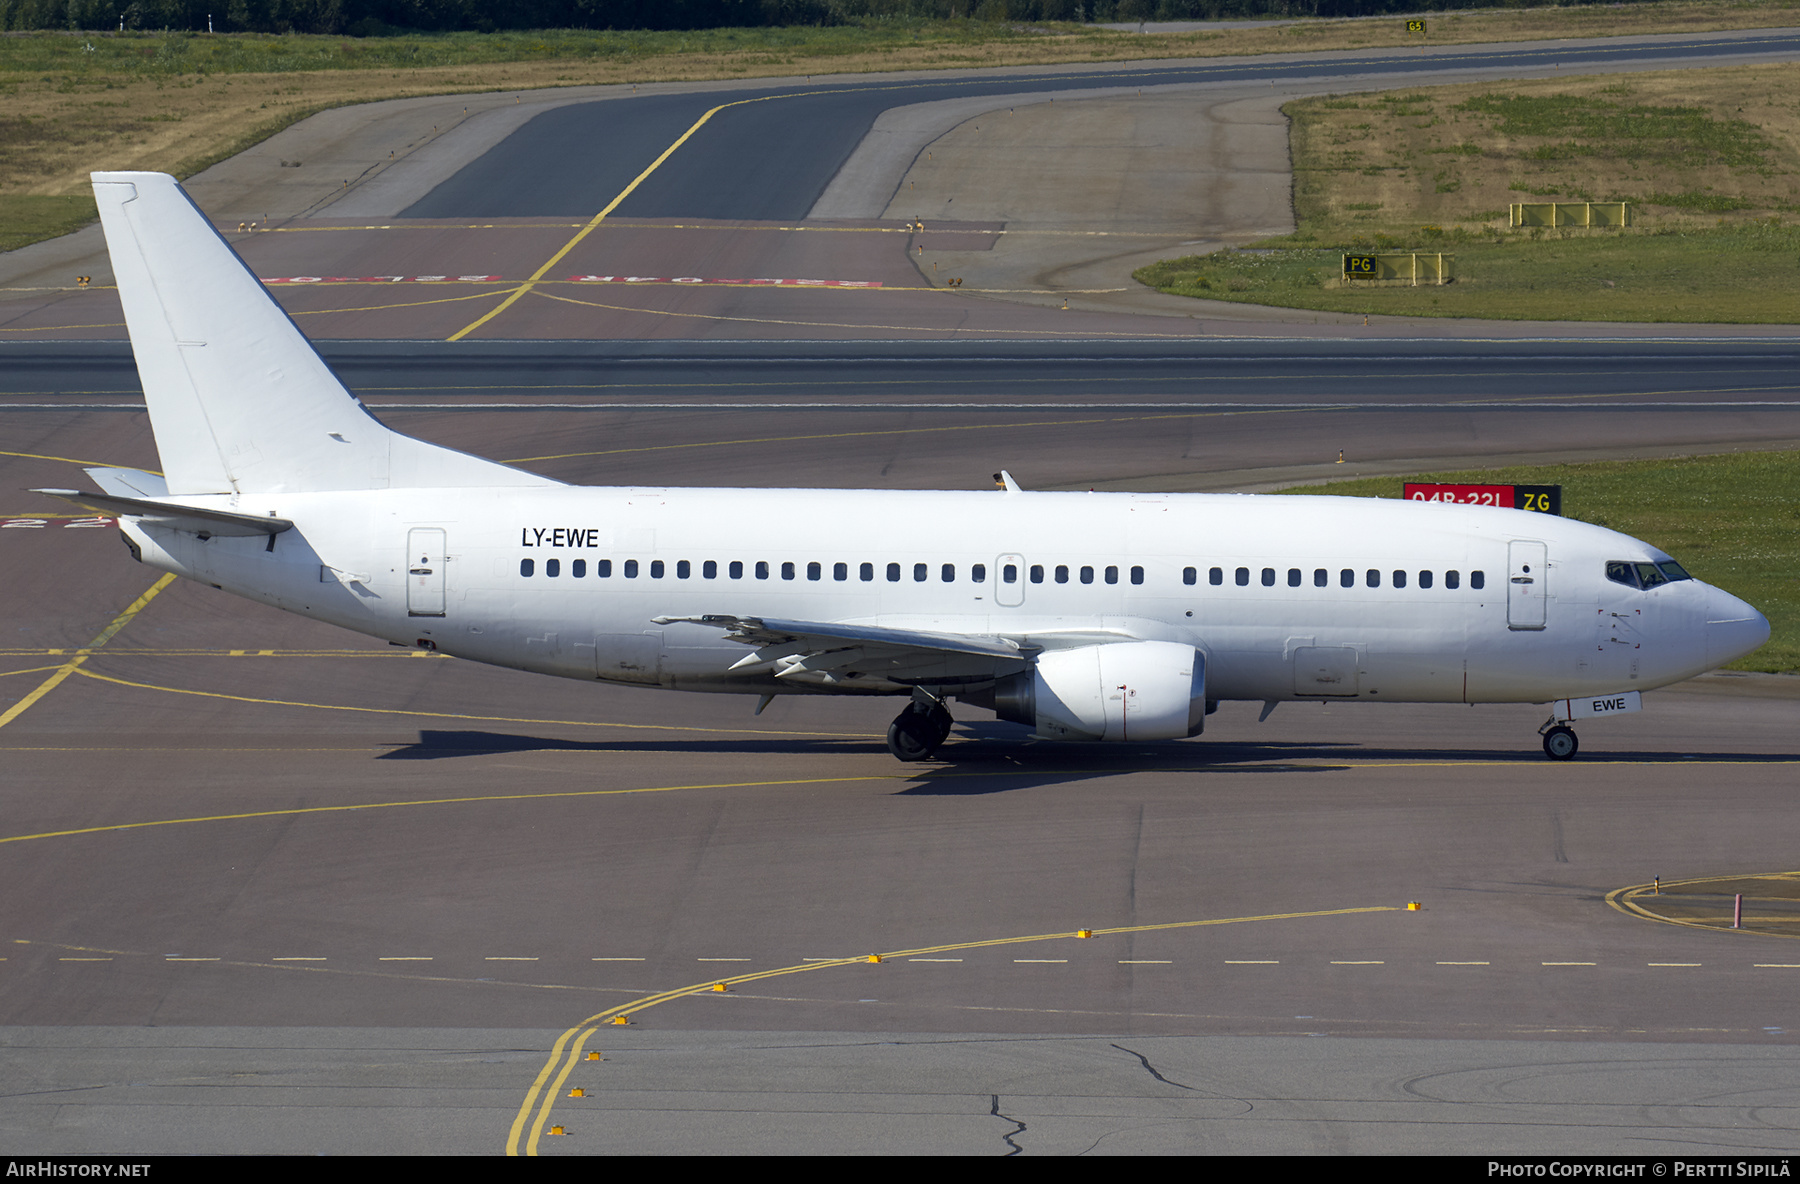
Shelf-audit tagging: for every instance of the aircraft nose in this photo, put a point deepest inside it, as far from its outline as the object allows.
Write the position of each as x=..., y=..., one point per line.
x=1733, y=628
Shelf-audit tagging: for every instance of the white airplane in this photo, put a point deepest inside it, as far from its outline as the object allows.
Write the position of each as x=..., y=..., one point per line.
x=1084, y=616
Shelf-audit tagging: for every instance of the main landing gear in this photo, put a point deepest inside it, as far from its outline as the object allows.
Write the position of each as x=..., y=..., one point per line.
x=917, y=731
x=1560, y=743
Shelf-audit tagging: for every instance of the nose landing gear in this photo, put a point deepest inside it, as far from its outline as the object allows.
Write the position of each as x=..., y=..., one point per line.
x=1560, y=743
x=918, y=731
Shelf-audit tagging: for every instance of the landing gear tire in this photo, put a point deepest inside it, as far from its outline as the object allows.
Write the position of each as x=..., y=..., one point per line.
x=915, y=735
x=1560, y=743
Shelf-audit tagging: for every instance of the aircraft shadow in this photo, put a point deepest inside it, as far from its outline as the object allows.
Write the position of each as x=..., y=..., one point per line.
x=986, y=758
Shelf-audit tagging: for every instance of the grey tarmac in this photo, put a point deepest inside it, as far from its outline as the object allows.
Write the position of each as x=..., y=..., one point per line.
x=275, y=888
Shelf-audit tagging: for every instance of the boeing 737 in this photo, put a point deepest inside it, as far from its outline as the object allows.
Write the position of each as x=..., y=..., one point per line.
x=1082, y=616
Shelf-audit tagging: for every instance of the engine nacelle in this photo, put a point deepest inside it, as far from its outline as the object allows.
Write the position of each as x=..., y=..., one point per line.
x=1123, y=690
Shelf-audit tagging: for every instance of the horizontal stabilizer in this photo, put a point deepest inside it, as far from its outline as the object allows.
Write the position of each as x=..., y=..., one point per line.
x=207, y=523
x=129, y=482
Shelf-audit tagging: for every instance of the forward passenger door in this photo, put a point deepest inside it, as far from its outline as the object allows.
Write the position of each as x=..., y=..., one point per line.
x=1526, y=587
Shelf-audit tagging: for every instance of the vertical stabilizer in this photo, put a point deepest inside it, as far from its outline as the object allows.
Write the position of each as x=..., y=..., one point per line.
x=239, y=400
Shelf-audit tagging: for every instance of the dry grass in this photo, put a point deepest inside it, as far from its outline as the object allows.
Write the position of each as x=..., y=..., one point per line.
x=1708, y=159
x=65, y=115
x=1685, y=147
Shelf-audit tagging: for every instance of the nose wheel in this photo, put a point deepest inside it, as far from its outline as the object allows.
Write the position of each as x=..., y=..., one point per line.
x=1560, y=743
x=917, y=732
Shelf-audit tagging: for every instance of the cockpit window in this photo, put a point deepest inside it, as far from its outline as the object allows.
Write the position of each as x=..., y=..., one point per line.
x=1644, y=575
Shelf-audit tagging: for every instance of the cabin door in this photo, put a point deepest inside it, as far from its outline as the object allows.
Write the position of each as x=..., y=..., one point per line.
x=1526, y=587
x=425, y=572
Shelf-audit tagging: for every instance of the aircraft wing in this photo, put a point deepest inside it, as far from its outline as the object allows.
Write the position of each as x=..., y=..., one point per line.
x=205, y=523
x=829, y=653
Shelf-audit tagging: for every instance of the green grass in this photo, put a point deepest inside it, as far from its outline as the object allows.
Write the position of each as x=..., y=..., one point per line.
x=1733, y=521
x=1739, y=274
x=1642, y=132
x=26, y=220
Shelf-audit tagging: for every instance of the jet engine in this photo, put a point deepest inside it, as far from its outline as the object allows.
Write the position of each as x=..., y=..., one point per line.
x=1123, y=690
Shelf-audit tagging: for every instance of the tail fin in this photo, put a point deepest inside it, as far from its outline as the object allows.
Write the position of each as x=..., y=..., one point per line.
x=239, y=400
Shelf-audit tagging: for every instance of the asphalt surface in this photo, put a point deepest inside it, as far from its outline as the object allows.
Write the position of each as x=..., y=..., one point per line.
x=277, y=888
x=780, y=148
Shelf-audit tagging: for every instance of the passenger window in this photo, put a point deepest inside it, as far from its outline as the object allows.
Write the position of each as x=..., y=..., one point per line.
x=1399, y=579
x=949, y=573
x=840, y=571
x=1137, y=575
x=1189, y=576
x=1112, y=575
x=553, y=567
x=814, y=570
x=1062, y=573
x=1452, y=579
x=1347, y=578
x=1268, y=577
x=1009, y=573
x=526, y=566
x=921, y=572
x=683, y=569
x=710, y=569
x=1424, y=579
x=1372, y=578
x=578, y=568
x=1477, y=579
x=762, y=569
x=736, y=570
x=893, y=573
x=1321, y=577
x=1293, y=577
x=1087, y=575
x=1243, y=577
x=631, y=566
x=978, y=573
x=656, y=569
x=1215, y=576
x=867, y=572
x=603, y=569
x=1037, y=573
x=787, y=571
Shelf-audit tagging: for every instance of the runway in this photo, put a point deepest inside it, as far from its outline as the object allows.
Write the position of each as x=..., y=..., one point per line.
x=276, y=888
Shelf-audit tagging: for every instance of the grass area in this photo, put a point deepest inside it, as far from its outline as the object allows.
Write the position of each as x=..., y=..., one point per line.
x=26, y=220
x=1732, y=520
x=1734, y=274
x=74, y=102
x=1708, y=159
